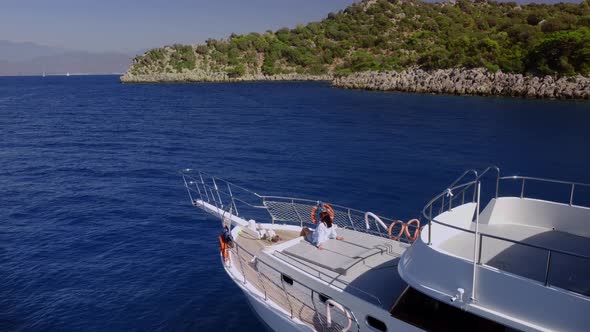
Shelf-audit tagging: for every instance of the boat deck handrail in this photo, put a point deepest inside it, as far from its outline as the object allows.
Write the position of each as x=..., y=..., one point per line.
x=438, y=205
x=228, y=196
x=253, y=265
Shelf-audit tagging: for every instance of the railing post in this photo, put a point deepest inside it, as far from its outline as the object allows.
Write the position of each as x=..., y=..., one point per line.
x=217, y=190
x=522, y=189
x=297, y=213
x=572, y=194
x=475, y=243
x=497, y=184
x=442, y=204
x=204, y=187
x=463, y=198
x=231, y=195
x=315, y=308
x=450, y=203
x=189, y=191
x=430, y=227
x=261, y=281
x=198, y=189
x=241, y=263
x=287, y=296
x=350, y=218
x=213, y=196
x=548, y=268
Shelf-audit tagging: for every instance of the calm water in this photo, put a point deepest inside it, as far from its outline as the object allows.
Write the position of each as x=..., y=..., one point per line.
x=96, y=233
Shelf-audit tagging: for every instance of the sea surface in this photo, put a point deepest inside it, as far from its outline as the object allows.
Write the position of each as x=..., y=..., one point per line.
x=97, y=232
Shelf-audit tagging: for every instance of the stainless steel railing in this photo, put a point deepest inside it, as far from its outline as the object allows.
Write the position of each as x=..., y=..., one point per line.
x=525, y=179
x=227, y=196
x=438, y=205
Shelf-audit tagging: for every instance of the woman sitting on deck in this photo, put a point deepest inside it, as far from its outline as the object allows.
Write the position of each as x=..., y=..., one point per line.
x=322, y=233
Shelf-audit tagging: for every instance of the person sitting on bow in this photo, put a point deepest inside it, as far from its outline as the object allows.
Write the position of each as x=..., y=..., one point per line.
x=325, y=231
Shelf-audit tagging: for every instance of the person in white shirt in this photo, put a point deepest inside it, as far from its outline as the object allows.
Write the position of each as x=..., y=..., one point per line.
x=325, y=231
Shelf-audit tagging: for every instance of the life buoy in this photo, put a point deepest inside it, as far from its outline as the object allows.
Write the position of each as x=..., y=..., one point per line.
x=401, y=230
x=412, y=237
x=326, y=207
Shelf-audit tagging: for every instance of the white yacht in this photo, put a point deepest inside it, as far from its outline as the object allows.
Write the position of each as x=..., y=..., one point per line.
x=489, y=253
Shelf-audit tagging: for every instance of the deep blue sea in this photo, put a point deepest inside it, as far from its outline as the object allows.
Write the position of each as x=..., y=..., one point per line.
x=96, y=230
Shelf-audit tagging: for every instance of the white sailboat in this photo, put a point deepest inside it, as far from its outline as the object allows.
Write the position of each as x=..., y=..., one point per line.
x=515, y=263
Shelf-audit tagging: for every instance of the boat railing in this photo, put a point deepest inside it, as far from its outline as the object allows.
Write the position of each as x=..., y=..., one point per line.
x=444, y=202
x=248, y=204
x=527, y=179
x=300, y=300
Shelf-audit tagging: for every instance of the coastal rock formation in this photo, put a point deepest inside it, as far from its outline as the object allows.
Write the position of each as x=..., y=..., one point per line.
x=461, y=81
x=217, y=77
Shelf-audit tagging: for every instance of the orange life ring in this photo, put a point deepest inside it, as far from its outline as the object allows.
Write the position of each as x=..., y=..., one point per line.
x=326, y=207
x=401, y=230
x=412, y=237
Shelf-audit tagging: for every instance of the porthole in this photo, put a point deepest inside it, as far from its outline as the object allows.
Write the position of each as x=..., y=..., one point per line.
x=287, y=279
x=376, y=324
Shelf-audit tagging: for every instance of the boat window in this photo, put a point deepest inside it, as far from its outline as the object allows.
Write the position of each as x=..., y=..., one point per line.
x=376, y=324
x=287, y=279
x=429, y=314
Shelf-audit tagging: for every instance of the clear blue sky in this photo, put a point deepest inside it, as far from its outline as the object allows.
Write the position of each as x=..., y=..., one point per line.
x=131, y=25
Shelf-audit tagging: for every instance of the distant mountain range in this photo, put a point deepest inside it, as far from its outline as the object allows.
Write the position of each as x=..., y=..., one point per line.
x=34, y=59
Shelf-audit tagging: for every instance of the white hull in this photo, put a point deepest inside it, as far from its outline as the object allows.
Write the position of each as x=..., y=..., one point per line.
x=268, y=312
x=274, y=320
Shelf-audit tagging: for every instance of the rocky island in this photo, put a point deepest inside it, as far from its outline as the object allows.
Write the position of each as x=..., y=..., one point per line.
x=463, y=81
x=458, y=47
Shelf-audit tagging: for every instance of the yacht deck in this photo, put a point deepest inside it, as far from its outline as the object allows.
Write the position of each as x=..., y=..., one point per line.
x=295, y=299
x=362, y=264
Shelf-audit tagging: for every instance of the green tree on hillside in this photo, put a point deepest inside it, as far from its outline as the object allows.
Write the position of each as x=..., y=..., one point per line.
x=387, y=34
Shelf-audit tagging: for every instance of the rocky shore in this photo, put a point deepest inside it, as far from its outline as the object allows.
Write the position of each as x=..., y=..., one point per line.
x=461, y=81
x=457, y=81
x=217, y=77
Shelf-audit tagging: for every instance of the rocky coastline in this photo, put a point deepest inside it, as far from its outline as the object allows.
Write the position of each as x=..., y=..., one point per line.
x=456, y=81
x=461, y=81
x=217, y=77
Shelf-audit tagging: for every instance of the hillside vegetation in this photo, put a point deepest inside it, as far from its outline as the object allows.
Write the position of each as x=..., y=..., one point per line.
x=382, y=35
